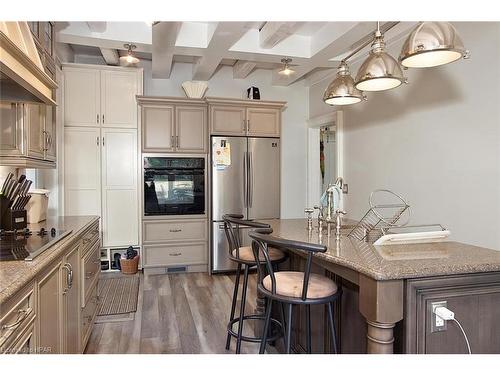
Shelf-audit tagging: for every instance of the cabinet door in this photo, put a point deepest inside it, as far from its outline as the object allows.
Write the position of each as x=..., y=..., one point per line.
x=11, y=129
x=49, y=314
x=120, y=214
x=227, y=120
x=118, y=103
x=82, y=97
x=82, y=171
x=71, y=301
x=50, y=133
x=190, y=129
x=264, y=122
x=157, y=128
x=36, y=138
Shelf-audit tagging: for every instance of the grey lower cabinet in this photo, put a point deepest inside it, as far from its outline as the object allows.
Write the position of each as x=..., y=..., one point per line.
x=173, y=125
x=175, y=245
x=28, y=135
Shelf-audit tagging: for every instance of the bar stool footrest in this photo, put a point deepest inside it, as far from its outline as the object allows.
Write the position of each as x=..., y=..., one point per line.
x=274, y=323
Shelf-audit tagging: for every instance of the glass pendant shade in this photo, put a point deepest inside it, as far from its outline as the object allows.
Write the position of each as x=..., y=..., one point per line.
x=432, y=44
x=341, y=91
x=380, y=71
x=286, y=71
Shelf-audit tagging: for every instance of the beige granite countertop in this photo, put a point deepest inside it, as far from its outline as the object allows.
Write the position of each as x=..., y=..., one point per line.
x=16, y=274
x=393, y=262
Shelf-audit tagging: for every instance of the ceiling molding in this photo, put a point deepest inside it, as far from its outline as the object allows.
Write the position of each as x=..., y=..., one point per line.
x=97, y=27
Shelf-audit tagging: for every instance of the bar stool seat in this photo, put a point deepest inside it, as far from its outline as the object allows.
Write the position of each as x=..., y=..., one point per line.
x=290, y=284
x=246, y=254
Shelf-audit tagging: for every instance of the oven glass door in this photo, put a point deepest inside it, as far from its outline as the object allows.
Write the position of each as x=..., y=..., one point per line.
x=174, y=192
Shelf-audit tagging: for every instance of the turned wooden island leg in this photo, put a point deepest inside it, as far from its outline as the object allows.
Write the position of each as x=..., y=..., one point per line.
x=381, y=303
x=380, y=337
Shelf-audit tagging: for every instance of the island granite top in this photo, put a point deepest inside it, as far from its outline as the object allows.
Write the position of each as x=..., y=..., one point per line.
x=392, y=262
x=14, y=275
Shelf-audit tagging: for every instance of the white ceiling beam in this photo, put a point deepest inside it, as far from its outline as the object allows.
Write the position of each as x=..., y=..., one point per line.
x=243, y=68
x=347, y=35
x=164, y=38
x=111, y=56
x=224, y=36
x=97, y=27
x=273, y=33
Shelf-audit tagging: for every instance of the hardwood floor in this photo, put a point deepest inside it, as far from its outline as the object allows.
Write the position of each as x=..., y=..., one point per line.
x=177, y=313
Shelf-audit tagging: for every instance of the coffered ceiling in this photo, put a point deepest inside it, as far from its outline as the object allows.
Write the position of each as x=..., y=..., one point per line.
x=314, y=47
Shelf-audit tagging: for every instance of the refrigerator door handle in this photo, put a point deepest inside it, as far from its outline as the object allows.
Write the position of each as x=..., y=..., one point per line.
x=245, y=180
x=250, y=180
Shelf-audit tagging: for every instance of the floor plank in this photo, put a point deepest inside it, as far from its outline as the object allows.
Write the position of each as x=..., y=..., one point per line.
x=177, y=313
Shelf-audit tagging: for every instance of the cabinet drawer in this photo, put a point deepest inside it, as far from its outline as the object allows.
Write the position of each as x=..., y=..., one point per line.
x=88, y=315
x=90, y=237
x=165, y=231
x=90, y=273
x=16, y=315
x=168, y=255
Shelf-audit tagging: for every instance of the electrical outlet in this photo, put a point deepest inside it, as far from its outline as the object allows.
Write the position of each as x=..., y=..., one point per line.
x=438, y=324
x=345, y=189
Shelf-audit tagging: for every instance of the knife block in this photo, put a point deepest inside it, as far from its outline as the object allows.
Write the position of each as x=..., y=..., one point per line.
x=11, y=219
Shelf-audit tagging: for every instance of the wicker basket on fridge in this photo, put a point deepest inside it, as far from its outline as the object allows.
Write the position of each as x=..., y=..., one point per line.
x=129, y=266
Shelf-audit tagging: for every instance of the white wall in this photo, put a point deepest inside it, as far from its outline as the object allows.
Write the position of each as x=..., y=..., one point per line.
x=293, y=144
x=436, y=141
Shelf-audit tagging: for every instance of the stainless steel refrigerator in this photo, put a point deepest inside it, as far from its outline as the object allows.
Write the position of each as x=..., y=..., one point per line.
x=249, y=185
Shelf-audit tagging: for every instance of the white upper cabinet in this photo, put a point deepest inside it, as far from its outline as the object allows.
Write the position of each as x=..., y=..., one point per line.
x=158, y=128
x=252, y=118
x=263, y=122
x=190, y=129
x=82, y=99
x=101, y=96
x=118, y=104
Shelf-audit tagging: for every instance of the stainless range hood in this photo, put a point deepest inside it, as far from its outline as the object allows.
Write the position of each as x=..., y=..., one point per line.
x=22, y=77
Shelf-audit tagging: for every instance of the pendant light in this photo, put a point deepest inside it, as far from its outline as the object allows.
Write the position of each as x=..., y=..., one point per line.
x=286, y=71
x=432, y=44
x=380, y=71
x=129, y=58
x=341, y=91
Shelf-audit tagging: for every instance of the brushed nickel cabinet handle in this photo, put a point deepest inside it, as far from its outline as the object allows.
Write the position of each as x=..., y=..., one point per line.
x=103, y=118
x=175, y=254
x=175, y=230
x=22, y=314
x=97, y=118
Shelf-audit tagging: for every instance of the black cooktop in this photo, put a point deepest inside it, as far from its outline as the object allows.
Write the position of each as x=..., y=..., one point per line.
x=26, y=245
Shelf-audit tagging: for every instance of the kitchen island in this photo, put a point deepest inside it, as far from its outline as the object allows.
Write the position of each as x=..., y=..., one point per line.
x=388, y=291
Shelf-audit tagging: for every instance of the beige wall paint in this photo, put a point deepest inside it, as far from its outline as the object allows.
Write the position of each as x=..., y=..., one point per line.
x=436, y=141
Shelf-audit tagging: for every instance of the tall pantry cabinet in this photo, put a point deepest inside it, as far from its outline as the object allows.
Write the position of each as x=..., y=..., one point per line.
x=100, y=148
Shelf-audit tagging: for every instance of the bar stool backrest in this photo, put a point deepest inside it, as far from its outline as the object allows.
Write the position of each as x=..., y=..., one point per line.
x=262, y=239
x=232, y=223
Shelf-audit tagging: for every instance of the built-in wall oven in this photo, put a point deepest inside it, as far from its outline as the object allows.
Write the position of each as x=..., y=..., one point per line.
x=174, y=185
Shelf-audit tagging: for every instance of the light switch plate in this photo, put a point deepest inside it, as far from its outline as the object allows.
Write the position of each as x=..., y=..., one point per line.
x=437, y=324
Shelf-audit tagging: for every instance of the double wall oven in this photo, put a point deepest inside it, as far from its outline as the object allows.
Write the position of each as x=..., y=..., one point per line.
x=174, y=185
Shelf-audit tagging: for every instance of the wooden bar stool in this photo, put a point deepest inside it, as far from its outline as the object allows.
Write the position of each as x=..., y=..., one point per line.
x=291, y=287
x=244, y=256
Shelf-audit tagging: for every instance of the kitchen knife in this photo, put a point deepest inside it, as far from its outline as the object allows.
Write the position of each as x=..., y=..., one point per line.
x=10, y=186
x=6, y=181
x=16, y=202
x=22, y=178
x=25, y=202
x=25, y=186
x=28, y=187
x=15, y=191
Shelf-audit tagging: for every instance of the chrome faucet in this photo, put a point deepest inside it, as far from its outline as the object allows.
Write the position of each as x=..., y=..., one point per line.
x=338, y=214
